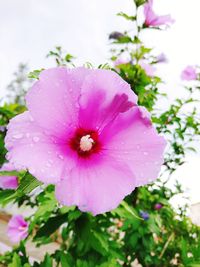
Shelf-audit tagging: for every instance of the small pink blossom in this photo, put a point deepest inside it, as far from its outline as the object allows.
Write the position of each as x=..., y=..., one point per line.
x=158, y=206
x=161, y=58
x=120, y=61
x=17, y=228
x=154, y=20
x=8, y=182
x=84, y=132
x=189, y=73
x=149, y=68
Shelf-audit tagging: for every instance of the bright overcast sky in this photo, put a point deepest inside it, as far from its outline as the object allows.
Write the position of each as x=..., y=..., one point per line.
x=29, y=29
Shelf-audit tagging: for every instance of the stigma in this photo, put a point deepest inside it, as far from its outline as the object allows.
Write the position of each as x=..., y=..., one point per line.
x=86, y=143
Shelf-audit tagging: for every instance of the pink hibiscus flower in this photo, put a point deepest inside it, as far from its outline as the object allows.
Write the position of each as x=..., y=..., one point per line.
x=84, y=132
x=149, y=68
x=189, y=73
x=17, y=229
x=8, y=182
x=152, y=19
x=161, y=58
x=120, y=61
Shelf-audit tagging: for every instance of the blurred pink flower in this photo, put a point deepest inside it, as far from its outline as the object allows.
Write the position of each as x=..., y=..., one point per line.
x=8, y=182
x=116, y=35
x=120, y=61
x=152, y=19
x=17, y=228
x=189, y=73
x=149, y=68
x=84, y=132
x=161, y=58
x=158, y=206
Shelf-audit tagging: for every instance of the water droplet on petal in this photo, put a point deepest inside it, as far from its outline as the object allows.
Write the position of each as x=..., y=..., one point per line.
x=8, y=156
x=31, y=119
x=32, y=170
x=18, y=136
x=60, y=156
x=145, y=153
x=47, y=132
x=36, y=139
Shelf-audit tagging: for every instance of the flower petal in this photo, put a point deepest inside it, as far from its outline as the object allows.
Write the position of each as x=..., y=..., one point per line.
x=30, y=147
x=104, y=95
x=15, y=235
x=17, y=221
x=52, y=101
x=132, y=139
x=96, y=189
x=8, y=182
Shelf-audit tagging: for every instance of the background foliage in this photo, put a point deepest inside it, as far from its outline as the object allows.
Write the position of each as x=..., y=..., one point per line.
x=137, y=230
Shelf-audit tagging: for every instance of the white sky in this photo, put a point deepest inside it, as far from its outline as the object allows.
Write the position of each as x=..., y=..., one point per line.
x=29, y=29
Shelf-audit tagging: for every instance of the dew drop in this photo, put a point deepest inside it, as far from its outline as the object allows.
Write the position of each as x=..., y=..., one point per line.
x=36, y=139
x=32, y=170
x=31, y=119
x=145, y=153
x=47, y=132
x=18, y=136
x=60, y=156
x=138, y=146
x=8, y=156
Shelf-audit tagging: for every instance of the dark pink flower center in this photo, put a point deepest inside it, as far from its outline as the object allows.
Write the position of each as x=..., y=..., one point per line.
x=85, y=142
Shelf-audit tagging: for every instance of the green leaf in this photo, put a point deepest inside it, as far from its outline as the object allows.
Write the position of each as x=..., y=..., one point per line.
x=9, y=173
x=16, y=261
x=126, y=211
x=110, y=263
x=81, y=263
x=66, y=260
x=124, y=15
x=6, y=196
x=51, y=226
x=47, y=206
x=140, y=2
x=123, y=40
x=99, y=242
x=35, y=74
x=27, y=184
x=48, y=262
x=69, y=57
